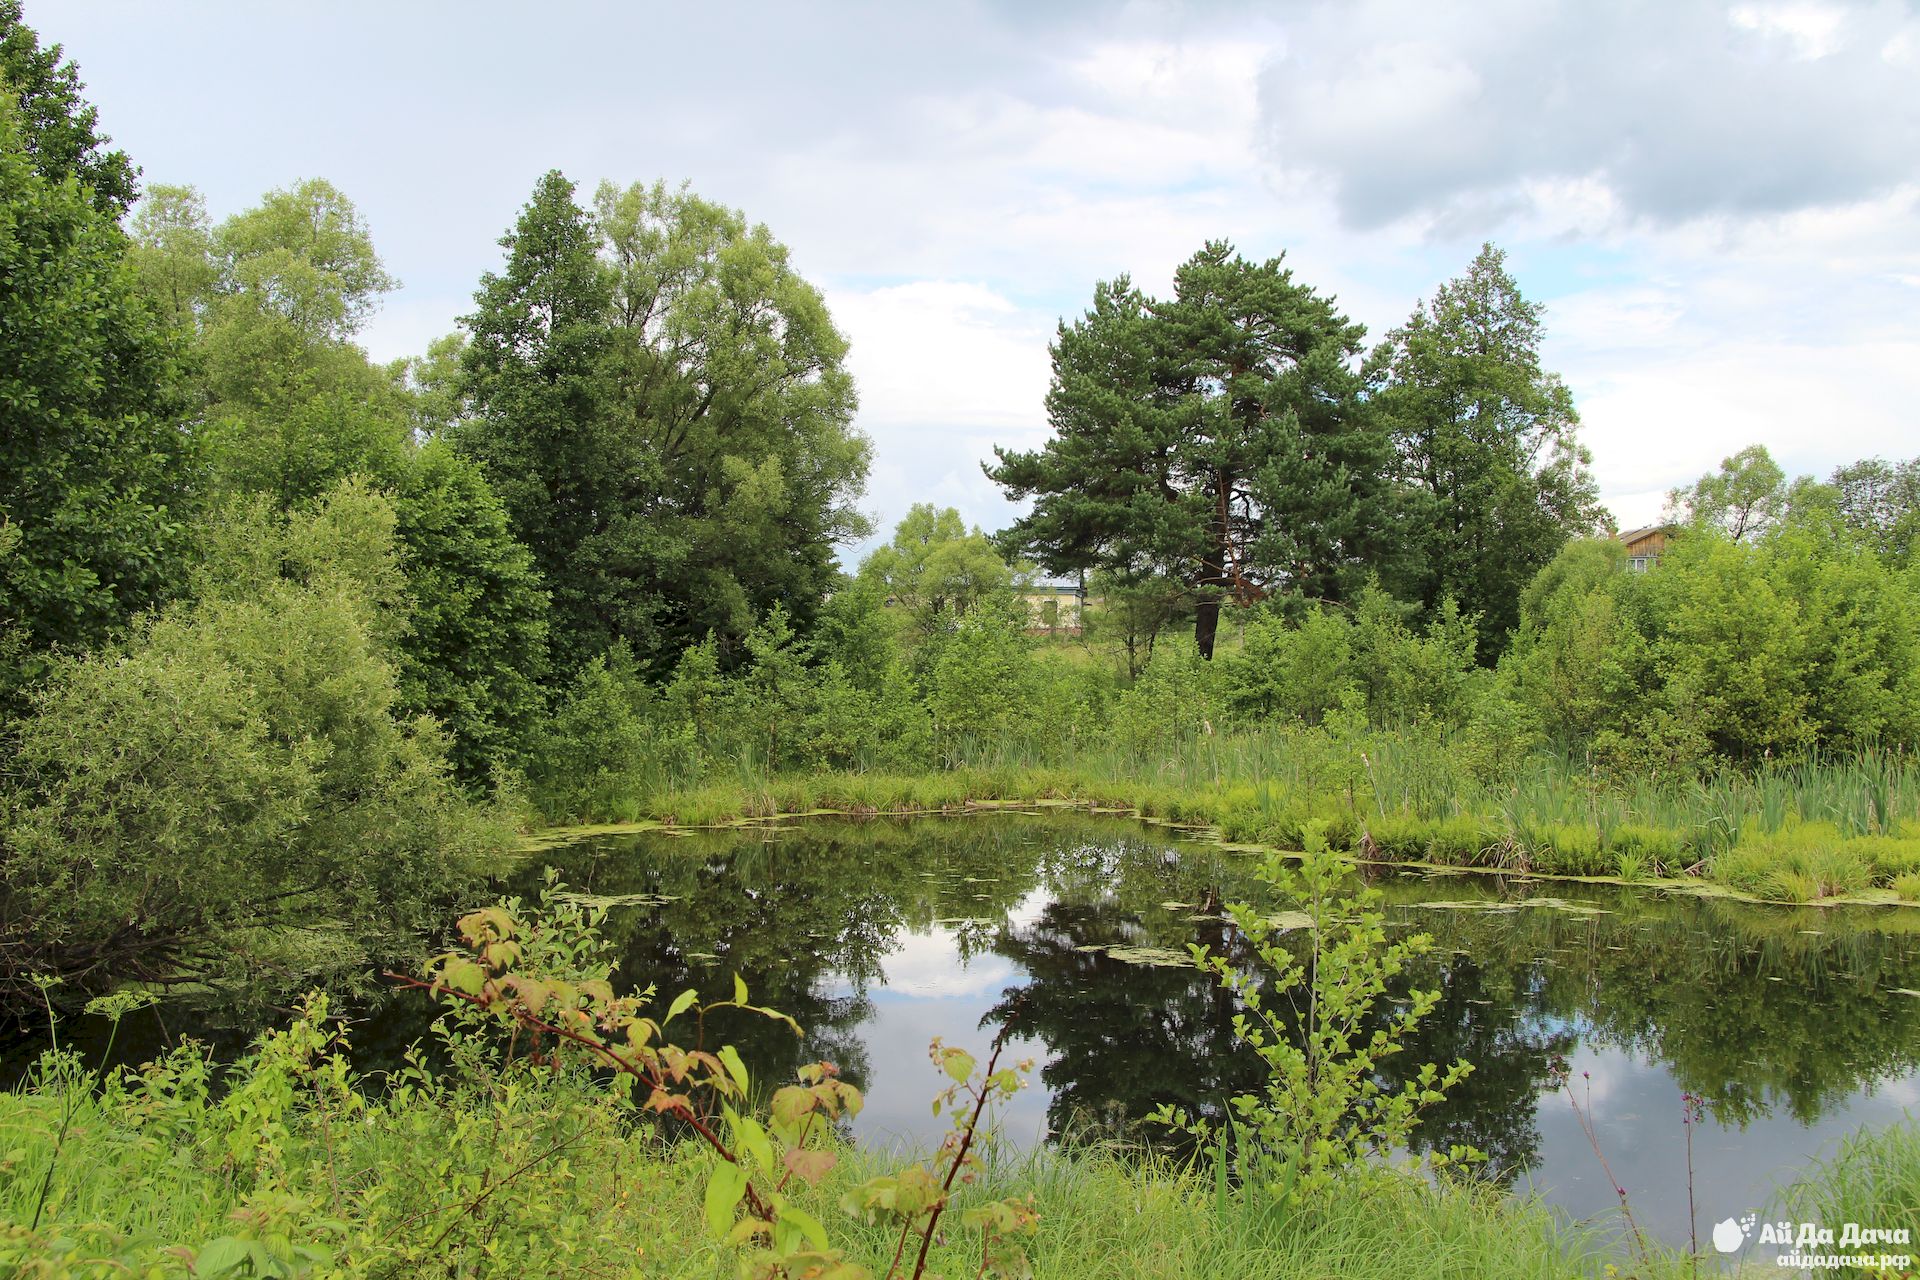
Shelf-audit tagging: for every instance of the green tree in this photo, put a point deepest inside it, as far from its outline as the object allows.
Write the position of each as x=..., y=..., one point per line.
x=1216, y=439
x=935, y=568
x=58, y=129
x=662, y=402
x=1745, y=499
x=1880, y=501
x=96, y=476
x=233, y=792
x=291, y=407
x=288, y=405
x=477, y=638
x=1131, y=611
x=1487, y=440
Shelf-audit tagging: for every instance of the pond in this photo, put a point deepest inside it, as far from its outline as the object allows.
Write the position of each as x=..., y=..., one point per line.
x=1794, y=1026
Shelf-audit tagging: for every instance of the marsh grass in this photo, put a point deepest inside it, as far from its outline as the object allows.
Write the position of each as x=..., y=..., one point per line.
x=1873, y=1179
x=1797, y=832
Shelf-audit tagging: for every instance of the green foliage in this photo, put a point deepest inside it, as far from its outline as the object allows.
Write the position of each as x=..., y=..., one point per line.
x=1743, y=500
x=1880, y=502
x=96, y=479
x=1798, y=643
x=1303, y=668
x=1215, y=439
x=660, y=401
x=1323, y=1115
x=935, y=569
x=1488, y=441
x=981, y=679
x=231, y=796
x=1175, y=701
x=477, y=617
x=58, y=128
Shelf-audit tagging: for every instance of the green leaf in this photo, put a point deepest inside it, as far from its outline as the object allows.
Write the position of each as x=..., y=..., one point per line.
x=681, y=1003
x=221, y=1255
x=463, y=975
x=957, y=1063
x=753, y=1140
x=809, y=1225
x=739, y=989
x=735, y=1067
x=724, y=1190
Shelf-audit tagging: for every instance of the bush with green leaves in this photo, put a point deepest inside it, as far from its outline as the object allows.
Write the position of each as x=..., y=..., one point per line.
x=1323, y=1115
x=231, y=796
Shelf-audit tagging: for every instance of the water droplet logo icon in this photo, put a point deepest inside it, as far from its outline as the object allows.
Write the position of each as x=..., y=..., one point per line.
x=1731, y=1234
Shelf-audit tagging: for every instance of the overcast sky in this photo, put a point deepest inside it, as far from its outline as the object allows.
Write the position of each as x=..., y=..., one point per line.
x=1718, y=204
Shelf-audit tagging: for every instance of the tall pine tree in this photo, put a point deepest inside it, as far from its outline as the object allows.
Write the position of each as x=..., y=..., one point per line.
x=1217, y=439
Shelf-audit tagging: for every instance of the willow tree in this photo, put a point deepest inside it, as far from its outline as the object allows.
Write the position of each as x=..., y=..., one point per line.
x=1217, y=440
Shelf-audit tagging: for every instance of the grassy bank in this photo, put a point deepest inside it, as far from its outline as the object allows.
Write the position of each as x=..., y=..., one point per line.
x=1845, y=829
x=300, y=1172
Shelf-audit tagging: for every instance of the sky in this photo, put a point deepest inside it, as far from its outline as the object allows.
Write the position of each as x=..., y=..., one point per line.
x=1718, y=204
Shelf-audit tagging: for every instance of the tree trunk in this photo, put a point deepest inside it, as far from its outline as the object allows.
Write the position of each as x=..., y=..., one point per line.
x=1206, y=624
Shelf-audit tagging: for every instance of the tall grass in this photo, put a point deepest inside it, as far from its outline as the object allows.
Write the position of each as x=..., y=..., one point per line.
x=1415, y=793
x=1874, y=1180
x=132, y=1189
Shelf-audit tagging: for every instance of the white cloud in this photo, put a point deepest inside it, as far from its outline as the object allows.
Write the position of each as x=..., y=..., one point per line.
x=925, y=966
x=1717, y=202
x=1812, y=29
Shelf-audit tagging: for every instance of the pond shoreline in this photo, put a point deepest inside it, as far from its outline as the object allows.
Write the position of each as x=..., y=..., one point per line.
x=761, y=808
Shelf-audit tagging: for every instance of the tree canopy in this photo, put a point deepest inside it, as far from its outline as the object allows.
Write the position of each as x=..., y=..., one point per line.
x=1487, y=443
x=935, y=568
x=59, y=129
x=661, y=401
x=96, y=478
x=1217, y=439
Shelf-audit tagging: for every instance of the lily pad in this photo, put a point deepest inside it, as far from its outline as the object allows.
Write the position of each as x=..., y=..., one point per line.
x=611, y=900
x=1154, y=957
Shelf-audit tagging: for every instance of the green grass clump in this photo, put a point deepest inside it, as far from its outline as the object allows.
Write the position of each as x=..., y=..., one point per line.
x=1564, y=849
x=1801, y=862
x=1890, y=856
x=1874, y=1180
x=1459, y=841
x=1655, y=848
x=1399, y=837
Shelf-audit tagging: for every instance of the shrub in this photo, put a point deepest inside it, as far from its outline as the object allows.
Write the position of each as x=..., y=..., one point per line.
x=225, y=797
x=1322, y=1117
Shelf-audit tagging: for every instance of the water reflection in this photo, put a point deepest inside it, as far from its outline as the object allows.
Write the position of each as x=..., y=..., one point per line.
x=880, y=935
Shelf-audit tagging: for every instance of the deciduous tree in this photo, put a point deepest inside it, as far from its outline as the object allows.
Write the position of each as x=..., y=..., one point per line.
x=1487, y=440
x=96, y=476
x=662, y=402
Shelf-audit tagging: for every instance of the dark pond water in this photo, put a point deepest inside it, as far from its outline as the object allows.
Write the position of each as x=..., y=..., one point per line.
x=1795, y=1025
